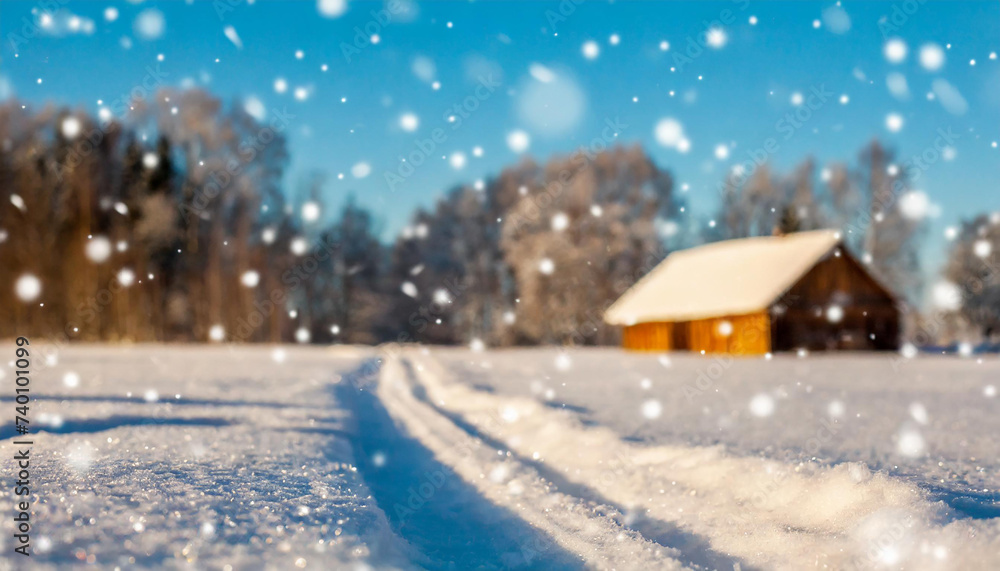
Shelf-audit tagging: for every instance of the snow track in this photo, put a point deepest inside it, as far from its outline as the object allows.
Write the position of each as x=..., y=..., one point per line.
x=179, y=458
x=464, y=506
x=698, y=506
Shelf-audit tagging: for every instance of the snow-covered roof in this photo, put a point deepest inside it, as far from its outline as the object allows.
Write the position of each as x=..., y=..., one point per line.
x=733, y=277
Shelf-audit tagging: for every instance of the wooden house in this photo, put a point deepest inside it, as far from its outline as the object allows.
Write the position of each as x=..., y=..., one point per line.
x=759, y=295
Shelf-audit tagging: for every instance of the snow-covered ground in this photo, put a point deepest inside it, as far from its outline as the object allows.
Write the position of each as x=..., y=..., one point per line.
x=194, y=458
x=442, y=458
x=931, y=419
x=836, y=461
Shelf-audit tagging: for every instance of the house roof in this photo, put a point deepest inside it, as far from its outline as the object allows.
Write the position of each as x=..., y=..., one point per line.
x=733, y=277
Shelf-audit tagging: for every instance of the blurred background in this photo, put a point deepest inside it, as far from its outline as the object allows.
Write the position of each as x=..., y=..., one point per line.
x=485, y=173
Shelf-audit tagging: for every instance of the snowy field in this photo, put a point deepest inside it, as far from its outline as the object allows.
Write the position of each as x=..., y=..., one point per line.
x=932, y=420
x=352, y=458
x=194, y=458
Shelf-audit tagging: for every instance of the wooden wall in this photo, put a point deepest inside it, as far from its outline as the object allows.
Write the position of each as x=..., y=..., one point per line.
x=736, y=334
x=800, y=319
x=649, y=337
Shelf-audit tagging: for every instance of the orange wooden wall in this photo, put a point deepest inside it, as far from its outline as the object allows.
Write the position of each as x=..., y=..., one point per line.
x=749, y=335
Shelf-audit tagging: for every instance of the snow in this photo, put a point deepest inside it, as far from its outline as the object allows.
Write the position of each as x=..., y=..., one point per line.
x=840, y=458
x=894, y=122
x=234, y=37
x=895, y=50
x=409, y=122
x=949, y=97
x=250, y=279
x=931, y=56
x=331, y=8
x=311, y=211
x=326, y=458
x=716, y=37
x=361, y=170
x=71, y=127
x=28, y=288
x=98, y=249
x=669, y=132
x=149, y=24
x=247, y=469
x=457, y=160
x=546, y=266
x=518, y=141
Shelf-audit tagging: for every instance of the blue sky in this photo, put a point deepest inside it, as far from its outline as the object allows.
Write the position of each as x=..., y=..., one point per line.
x=731, y=95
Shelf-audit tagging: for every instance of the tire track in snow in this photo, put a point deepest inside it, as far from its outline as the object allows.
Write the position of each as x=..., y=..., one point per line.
x=770, y=514
x=434, y=510
x=492, y=512
x=693, y=550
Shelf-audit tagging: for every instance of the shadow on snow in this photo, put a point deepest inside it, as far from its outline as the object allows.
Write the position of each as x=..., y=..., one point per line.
x=431, y=507
x=694, y=549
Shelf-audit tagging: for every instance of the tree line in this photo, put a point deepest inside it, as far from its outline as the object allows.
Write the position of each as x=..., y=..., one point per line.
x=172, y=224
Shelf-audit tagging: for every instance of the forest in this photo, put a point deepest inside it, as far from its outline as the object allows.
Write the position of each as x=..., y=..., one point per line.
x=173, y=223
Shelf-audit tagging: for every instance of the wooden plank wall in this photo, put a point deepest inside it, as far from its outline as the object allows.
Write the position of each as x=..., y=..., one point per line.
x=750, y=335
x=868, y=309
x=648, y=337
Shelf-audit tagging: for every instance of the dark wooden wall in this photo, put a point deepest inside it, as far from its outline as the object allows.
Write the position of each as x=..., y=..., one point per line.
x=800, y=320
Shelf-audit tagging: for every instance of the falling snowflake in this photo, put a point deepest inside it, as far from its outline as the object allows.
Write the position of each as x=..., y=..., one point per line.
x=71, y=127
x=126, y=277
x=28, y=288
x=546, y=266
x=217, y=333
x=150, y=24
x=331, y=8
x=441, y=296
x=302, y=335
x=71, y=379
x=836, y=409
x=834, y=314
x=946, y=296
x=98, y=249
x=982, y=248
x=931, y=57
x=361, y=170
x=250, y=278
x=310, y=211
x=299, y=246
x=895, y=50
x=894, y=122
x=409, y=122
x=518, y=141
x=560, y=221
x=409, y=289
x=910, y=443
x=652, y=409
x=762, y=405
x=716, y=37
x=725, y=328
x=278, y=355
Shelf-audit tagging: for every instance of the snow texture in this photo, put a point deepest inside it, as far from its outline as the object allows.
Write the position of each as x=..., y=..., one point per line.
x=223, y=457
x=796, y=488
x=247, y=468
